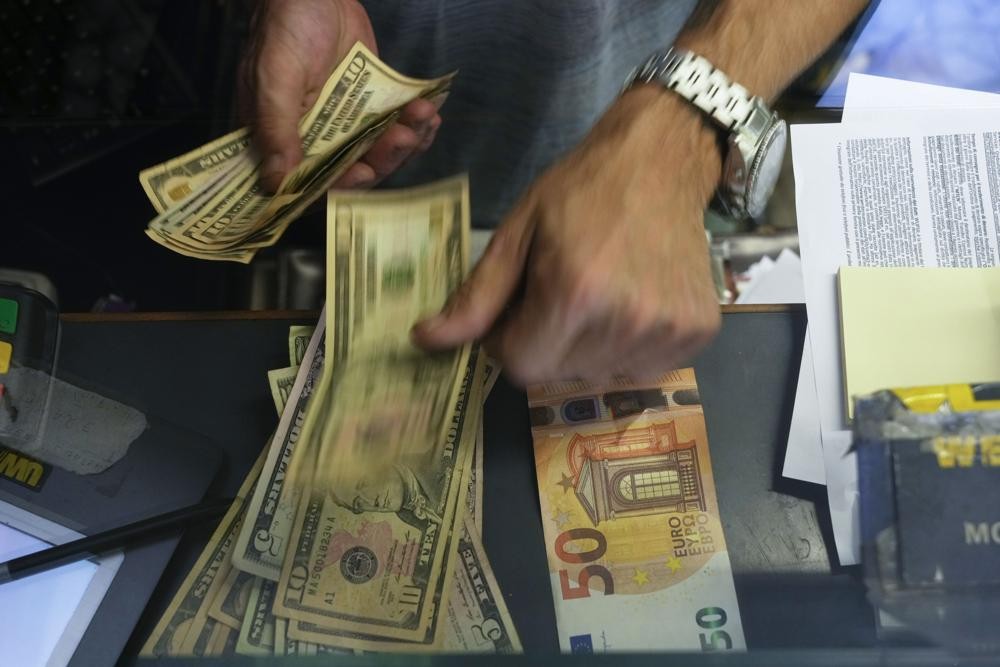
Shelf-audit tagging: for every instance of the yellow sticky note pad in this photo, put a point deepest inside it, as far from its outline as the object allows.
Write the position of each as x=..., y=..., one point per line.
x=905, y=327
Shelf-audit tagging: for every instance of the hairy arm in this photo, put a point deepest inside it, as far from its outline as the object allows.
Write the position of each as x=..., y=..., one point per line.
x=602, y=267
x=760, y=44
x=765, y=44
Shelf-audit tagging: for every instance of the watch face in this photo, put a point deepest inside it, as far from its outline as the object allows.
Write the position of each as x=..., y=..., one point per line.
x=766, y=168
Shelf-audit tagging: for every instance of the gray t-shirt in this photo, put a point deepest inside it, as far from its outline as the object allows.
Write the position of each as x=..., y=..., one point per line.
x=534, y=76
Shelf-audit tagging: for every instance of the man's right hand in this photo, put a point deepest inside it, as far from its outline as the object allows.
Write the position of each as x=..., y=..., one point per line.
x=295, y=46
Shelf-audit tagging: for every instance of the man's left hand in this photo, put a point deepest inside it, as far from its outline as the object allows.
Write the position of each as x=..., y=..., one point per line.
x=602, y=268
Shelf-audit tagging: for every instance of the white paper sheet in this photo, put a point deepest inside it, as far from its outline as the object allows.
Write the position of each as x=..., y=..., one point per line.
x=43, y=617
x=826, y=220
x=781, y=282
x=824, y=215
x=868, y=98
x=842, y=495
x=804, y=452
x=748, y=280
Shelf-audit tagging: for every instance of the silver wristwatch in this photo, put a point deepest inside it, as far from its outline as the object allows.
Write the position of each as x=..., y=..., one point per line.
x=756, y=136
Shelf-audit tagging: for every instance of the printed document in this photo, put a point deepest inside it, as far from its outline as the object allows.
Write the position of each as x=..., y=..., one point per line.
x=900, y=188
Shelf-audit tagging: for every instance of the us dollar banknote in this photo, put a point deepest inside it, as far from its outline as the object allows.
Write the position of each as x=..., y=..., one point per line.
x=185, y=628
x=175, y=180
x=229, y=604
x=477, y=618
x=385, y=449
x=221, y=642
x=204, y=638
x=375, y=540
x=263, y=539
x=202, y=630
x=490, y=378
x=474, y=492
x=474, y=500
x=257, y=632
x=298, y=340
x=286, y=645
x=637, y=555
x=392, y=258
x=281, y=381
x=379, y=325
x=210, y=201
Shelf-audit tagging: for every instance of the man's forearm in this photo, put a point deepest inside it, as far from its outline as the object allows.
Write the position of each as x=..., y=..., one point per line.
x=765, y=44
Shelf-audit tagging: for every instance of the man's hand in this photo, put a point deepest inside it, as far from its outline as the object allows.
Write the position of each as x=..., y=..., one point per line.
x=602, y=268
x=295, y=46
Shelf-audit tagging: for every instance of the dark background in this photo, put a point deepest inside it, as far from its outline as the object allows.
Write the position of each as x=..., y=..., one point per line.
x=91, y=92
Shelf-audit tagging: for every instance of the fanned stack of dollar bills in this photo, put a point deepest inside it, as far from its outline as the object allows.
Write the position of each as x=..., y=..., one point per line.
x=209, y=201
x=359, y=528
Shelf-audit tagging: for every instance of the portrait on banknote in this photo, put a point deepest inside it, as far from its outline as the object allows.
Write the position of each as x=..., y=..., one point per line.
x=392, y=488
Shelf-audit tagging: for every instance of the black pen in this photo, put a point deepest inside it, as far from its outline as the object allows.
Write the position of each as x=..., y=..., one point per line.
x=116, y=538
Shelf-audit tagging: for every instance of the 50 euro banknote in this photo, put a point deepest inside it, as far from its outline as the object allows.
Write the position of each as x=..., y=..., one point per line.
x=636, y=551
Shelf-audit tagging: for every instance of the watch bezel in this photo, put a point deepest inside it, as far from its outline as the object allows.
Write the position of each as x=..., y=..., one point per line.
x=730, y=193
x=767, y=143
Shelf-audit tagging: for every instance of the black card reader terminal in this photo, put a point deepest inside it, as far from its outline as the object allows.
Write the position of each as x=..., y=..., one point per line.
x=29, y=341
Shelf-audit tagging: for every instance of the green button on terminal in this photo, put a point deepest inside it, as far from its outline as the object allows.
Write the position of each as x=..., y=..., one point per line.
x=8, y=316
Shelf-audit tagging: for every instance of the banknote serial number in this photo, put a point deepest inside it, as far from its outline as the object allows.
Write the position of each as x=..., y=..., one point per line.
x=583, y=577
x=713, y=619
